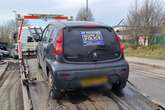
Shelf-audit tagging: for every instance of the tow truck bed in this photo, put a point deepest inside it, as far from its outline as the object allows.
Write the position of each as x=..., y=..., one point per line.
x=91, y=99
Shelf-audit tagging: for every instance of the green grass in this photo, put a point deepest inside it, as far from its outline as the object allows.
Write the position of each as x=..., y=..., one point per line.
x=154, y=52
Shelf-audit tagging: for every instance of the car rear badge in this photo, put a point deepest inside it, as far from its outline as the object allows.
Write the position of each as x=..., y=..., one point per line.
x=95, y=55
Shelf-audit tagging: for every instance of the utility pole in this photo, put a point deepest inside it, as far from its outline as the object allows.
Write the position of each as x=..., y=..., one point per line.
x=15, y=19
x=86, y=9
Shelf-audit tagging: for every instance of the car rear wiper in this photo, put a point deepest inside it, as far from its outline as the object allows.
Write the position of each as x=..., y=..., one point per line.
x=97, y=49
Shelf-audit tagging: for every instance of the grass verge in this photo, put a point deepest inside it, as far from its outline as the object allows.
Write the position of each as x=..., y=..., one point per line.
x=154, y=52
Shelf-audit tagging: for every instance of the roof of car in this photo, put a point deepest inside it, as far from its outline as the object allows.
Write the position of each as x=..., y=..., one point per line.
x=80, y=23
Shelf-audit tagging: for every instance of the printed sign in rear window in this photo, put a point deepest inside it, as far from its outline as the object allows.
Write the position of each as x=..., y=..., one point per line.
x=90, y=38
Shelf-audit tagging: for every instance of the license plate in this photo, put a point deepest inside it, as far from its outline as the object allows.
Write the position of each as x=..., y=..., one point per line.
x=93, y=81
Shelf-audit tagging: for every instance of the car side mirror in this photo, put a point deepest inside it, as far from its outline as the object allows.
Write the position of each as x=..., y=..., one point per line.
x=117, y=31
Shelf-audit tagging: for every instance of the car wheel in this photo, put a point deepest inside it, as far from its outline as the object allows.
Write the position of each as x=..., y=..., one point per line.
x=119, y=86
x=53, y=91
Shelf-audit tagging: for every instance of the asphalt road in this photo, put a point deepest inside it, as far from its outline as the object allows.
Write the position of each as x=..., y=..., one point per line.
x=10, y=89
x=150, y=81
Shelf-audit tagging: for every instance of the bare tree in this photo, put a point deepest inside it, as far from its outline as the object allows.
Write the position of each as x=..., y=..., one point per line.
x=163, y=24
x=6, y=30
x=145, y=20
x=84, y=15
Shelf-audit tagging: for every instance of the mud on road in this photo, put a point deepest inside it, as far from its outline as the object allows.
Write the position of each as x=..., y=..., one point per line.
x=10, y=89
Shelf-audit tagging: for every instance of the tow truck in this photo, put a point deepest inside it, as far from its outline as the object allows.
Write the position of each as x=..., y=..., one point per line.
x=36, y=96
x=29, y=34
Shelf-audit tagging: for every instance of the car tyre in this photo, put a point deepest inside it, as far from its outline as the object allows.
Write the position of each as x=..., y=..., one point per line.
x=54, y=92
x=119, y=86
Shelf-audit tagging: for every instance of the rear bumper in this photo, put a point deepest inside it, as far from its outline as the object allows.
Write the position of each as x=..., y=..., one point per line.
x=70, y=79
x=75, y=83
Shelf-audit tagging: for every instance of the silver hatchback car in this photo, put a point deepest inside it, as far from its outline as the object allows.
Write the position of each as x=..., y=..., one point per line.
x=75, y=54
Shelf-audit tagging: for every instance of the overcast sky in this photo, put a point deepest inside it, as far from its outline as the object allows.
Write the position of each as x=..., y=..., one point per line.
x=107, y=11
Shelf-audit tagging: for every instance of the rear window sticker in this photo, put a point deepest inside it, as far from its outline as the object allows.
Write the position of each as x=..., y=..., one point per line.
x=90, y=38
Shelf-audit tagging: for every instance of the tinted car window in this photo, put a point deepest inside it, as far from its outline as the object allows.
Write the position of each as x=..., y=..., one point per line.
x=90, y=44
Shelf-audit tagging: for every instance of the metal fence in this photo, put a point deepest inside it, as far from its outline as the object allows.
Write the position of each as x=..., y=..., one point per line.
x=160, y=40
x=155, y=40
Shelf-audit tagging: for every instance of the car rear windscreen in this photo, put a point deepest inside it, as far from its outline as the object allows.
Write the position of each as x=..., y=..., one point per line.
x=90, y=44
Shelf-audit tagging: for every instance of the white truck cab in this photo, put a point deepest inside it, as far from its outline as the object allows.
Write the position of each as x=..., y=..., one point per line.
x=29, y=39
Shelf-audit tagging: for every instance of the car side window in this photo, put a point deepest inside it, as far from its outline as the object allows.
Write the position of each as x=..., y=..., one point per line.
x=53, y=34
x=46, y=34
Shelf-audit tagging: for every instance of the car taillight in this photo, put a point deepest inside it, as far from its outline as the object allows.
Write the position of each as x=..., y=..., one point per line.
x=58, y=49
x=122, y=48
x=64, y=76
x=120, y=44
